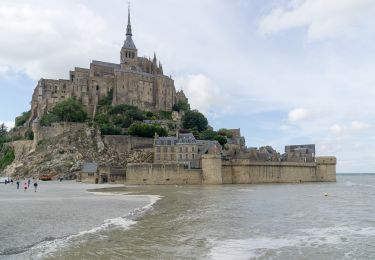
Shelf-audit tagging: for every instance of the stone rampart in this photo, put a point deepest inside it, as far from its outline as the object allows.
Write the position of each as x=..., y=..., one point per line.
x=244, y=171
x=147, y=173
x=56, y=129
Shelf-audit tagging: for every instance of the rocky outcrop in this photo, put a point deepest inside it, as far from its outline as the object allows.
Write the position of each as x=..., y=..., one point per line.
x=66, y=153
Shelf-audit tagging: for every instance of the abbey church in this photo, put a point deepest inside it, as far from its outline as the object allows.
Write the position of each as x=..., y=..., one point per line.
x=137, y=81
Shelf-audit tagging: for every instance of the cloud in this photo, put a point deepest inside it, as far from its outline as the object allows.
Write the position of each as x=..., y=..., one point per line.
x=204, y=94
x=322, y=18
x=4, y=70
x=357, y=125
x=336, y=129
x=44, y=40
x=298, y=114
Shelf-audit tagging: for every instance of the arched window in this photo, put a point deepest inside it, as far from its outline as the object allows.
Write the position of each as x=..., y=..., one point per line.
x=97, y=87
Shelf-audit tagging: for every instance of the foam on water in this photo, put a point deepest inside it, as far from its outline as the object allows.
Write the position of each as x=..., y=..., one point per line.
x=313, y=238
x=46, y=248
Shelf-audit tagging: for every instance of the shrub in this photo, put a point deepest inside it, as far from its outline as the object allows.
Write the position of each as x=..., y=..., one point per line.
x=108, y=129
x=221, y=139
x=107, y=101
x=20, y=120
x=146, y=130
x=208, y=135
x=121, y=109
x=165, y=115
x=7, y=156
x=225, y=132
x=102, y=119
x=48, y=119
x=70, y=110
x=181, y=106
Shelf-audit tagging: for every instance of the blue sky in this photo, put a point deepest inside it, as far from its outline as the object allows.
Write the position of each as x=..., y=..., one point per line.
x=284, y=71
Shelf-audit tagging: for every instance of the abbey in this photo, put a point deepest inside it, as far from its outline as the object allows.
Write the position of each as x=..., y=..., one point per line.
x=137, y=81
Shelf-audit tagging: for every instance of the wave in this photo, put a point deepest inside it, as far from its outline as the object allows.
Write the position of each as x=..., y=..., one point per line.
x=49, y=246
x=250, y=248
x=352, y=184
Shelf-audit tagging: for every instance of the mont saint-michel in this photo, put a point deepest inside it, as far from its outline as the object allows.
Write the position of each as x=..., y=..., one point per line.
x=187, y=130
x=126, y=123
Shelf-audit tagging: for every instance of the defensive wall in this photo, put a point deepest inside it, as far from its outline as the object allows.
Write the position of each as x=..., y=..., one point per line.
x=56, y=129
x=149, y=173
x=237, y=171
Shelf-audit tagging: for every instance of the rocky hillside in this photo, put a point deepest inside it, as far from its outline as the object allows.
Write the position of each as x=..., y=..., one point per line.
x=65, y=154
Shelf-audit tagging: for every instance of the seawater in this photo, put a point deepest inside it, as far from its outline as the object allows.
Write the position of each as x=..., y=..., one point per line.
x=270, y=221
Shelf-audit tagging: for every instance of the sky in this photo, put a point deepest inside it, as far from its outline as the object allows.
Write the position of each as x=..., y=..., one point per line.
x=284, y=71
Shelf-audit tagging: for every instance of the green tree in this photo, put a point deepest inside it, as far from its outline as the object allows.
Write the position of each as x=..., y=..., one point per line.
x=181, y=106
x=20, y=120
x=208, y=135
x=102, y=119
x=146, y=130
x=193, y=119
x=225, y=132
x=48, y=119
x=3, y=129
x=6, y=156
x=109, y=129
x=106, y=101
x=221, y=139
x=70, y=110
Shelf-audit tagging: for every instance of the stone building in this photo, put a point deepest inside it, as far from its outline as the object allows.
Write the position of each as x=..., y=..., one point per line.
x=303, y=152
x=183, y=149
x=136, y=80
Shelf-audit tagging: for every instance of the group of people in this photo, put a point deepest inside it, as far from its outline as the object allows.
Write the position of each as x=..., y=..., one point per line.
x=26, y=184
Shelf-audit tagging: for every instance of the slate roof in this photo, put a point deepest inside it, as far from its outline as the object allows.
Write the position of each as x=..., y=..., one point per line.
x=90, y=167
x=106, y=64
x=128, y=43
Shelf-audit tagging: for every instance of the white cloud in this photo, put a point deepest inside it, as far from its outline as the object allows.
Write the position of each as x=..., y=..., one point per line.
x=203, y=94
x=322, y=18
x=298, y=114
x=4, y=70
x=43, y=40
x=336, y=129
x=357, y=125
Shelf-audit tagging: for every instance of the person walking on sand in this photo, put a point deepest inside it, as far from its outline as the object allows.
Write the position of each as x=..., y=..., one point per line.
x=28, y=183
x=18, y=184
x=35, y=185
x=25, y=186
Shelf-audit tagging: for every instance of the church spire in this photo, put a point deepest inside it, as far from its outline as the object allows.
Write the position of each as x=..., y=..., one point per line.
x=129, y=27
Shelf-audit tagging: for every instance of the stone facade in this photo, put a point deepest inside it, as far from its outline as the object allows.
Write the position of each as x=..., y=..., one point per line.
x=216, y=171
x=137, y=81
x=182, y=149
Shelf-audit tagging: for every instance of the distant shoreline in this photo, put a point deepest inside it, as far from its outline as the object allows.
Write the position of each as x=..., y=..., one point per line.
x=355, y=173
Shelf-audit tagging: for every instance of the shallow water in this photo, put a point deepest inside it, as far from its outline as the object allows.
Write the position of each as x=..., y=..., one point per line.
x=273, y=221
